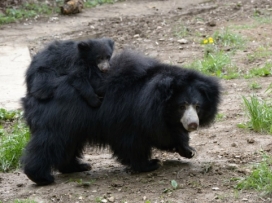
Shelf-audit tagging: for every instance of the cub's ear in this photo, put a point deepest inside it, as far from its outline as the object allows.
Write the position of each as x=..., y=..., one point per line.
x=83, y=46
x=111, y=43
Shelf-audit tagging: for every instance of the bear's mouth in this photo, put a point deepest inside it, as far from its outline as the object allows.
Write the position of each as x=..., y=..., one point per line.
x=104, y=66
x=189, y=119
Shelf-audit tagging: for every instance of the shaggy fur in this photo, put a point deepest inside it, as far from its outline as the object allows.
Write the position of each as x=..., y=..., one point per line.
x=143, y=108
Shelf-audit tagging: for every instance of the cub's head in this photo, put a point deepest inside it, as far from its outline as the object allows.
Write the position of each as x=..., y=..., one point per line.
x=97, y=52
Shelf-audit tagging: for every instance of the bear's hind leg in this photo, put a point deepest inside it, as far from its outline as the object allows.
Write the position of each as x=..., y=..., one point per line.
x=137, y=158
x=75, y=166
x=36, y=165
x=74, y=163
x=41, y=176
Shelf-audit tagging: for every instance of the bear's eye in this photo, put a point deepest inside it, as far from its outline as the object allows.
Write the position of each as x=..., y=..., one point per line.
x=197, y=107
x=99, y=58
x=182, y=107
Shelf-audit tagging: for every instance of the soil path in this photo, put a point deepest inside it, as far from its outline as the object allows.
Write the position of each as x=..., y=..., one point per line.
x=15, y=38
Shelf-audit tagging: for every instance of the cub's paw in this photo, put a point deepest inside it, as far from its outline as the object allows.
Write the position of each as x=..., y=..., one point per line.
x=94, y=102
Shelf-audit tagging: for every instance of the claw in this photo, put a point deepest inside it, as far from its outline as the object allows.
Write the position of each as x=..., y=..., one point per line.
x=187, y=152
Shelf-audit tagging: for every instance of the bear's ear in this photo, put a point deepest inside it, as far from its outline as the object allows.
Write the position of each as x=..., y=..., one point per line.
x=111, y=43
x=165, y=87
x=83, y=46
x=210, y=88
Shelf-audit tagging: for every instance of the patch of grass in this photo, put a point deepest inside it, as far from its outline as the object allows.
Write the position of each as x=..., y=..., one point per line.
x=218, y=64
x=269, y=89
x=8, y=115
x=182, y=31
x=98, y=199
x=260, y=178
x=82, y=183
x=93, y=3
x=263, y=19
x=261, y=52
x=255, y=86
x=264, y=71
x=24, y=201
x=27, y=10
x=31, y=10
x=228, y=38
x=259, y=113
x=244, y=26
x=220, y=117
x=14, y=136
x=267, y=19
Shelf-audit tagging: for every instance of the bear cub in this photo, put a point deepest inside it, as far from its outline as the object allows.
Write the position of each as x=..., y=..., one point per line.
x=83, y=62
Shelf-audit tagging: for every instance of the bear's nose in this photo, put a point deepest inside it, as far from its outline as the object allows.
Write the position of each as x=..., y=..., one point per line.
x=192, y=126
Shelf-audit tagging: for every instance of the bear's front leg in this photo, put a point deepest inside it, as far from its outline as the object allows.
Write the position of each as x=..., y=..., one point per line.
x=186, y=151
x=146, y=166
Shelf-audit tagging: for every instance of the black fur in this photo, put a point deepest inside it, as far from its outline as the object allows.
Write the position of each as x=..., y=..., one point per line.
x=140, y=110
x=79, y=59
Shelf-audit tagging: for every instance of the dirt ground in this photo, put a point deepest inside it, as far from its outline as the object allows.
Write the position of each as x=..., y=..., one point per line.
x=224, y=151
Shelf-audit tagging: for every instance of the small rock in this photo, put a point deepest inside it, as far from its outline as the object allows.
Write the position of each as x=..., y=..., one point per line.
x=183, y=41
x=215, y=188
x=137, y=31
x=20, y=185
x=245, y=199
x=111, y=199
x=250, y=140
x=243, y=171
x=117, y=183
x=232, y=166
x=104, y=200
x=211, y=23
x=227, y=49
x=234, y=144
x=267, y=148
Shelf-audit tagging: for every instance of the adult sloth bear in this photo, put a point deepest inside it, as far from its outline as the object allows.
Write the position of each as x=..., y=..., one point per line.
x=147, y=104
